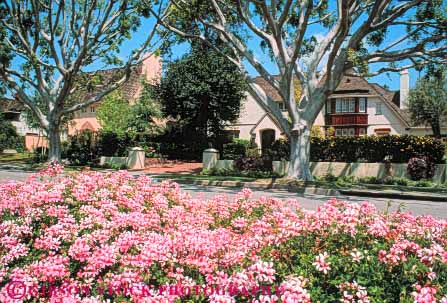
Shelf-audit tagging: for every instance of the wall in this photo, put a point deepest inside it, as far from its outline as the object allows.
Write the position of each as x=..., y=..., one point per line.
x=359, y=170
x=386, y=120
x=253, y=118
x=33, y=141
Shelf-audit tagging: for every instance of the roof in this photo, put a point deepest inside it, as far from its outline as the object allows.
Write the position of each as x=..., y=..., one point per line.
x=11, y=105
x=267, y=88
x=392, y=99
x=129, y=89
x=352, y=84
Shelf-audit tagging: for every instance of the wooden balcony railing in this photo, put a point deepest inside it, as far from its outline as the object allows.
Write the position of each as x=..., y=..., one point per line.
x=347, y=119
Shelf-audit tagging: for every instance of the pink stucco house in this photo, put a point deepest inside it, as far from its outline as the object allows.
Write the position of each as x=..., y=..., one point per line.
x=149, y=70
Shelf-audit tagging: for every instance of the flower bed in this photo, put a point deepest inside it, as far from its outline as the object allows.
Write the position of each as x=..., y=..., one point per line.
x=108, y=233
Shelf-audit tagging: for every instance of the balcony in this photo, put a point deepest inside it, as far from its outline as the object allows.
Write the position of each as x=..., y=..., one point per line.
x=346, y=119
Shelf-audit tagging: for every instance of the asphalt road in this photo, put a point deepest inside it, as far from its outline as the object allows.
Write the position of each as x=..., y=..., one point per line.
x=417, y=207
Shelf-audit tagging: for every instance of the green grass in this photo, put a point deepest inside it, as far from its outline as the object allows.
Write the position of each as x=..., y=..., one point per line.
x=24, y=158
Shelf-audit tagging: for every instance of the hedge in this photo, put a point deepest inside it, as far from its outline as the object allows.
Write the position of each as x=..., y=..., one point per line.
x=394, y=149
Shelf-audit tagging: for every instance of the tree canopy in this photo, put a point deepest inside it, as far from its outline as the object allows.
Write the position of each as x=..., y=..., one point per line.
x=428, y=102
x=202, y=91
x=49, y=48
x=118, y=115
x=315, y=42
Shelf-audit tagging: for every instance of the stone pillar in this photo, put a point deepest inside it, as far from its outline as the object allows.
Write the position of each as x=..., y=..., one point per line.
x=136, y=158
x=209, y=158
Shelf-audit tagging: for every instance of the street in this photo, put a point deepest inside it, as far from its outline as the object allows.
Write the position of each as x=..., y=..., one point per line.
x=417, y=207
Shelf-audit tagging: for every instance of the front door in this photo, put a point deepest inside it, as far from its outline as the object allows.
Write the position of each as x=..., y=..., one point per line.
x=267, y=139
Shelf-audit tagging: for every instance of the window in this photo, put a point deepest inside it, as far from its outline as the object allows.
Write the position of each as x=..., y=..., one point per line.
x=338, y=106
x=351, y=132
x=362, y=131
x=84, y=110
x=378, y=108
x=230, y=135
x=328, y=106
x=345, y=105
x=344, y=132
x=362, y=105
x=281, y=105
x=92, y=109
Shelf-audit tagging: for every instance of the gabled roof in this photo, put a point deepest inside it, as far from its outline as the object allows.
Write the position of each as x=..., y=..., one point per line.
x=392, y=99
x=351, y=85
x=129, y=89
x=11, y=105
x=267, y=88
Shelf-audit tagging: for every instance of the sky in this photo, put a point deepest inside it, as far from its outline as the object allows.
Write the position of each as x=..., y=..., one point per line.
x=389, y=79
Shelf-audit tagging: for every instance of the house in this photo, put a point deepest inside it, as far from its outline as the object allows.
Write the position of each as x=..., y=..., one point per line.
x=149, y=70
x=357, y=107
x=14, y=112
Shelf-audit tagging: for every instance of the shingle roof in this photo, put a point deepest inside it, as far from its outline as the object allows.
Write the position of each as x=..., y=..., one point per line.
x=392, y=99
x=352, y=84
x=11, y=105
x=129, y=89
x=267, y=88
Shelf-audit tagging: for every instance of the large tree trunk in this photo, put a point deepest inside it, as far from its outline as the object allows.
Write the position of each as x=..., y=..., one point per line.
x=436, y=128
x=300, y=155
x=54, y=140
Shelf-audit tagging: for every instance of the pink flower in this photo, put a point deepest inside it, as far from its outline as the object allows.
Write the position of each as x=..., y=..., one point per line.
x=321, y=264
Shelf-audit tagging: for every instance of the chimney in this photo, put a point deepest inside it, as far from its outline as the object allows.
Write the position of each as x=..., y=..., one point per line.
x=151, y=68
x=404, y=88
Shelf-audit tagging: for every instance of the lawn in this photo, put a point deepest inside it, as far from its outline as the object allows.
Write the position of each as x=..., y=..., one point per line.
x=23, y=158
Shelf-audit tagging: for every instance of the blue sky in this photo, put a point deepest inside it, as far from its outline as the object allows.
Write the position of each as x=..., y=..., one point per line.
x=389, y=79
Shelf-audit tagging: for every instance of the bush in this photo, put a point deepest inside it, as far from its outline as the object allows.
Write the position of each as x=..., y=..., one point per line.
x=252, y=164
x=394, y=149
x=396, y=181
x=110, y=144
x=114, y=231
x=239, y=148
x=9, y=139
x=40, y=154
x=280, y=150
x=421, y=168
x=83, y=149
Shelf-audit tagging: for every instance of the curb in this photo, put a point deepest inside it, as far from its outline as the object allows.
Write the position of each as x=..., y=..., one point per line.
x=310, y=190
x=395, y=195
x=316, y=190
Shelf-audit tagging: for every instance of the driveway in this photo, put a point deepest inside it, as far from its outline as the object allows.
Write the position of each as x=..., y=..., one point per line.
x=417, y=207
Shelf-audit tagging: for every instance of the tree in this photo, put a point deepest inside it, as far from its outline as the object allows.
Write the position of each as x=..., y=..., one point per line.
x=47, y=46
x=203, y=91
x=114, y=113
x=146, y=112
x=353, y=34
x=117, y=115
x=428, y=102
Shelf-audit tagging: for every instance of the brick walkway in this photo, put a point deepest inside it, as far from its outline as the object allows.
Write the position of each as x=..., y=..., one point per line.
x=175, y=168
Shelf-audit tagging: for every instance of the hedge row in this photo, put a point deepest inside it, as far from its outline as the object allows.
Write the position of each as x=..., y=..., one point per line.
x=395, y=149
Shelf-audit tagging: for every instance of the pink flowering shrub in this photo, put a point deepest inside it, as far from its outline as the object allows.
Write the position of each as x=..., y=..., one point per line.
x=92, y=231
